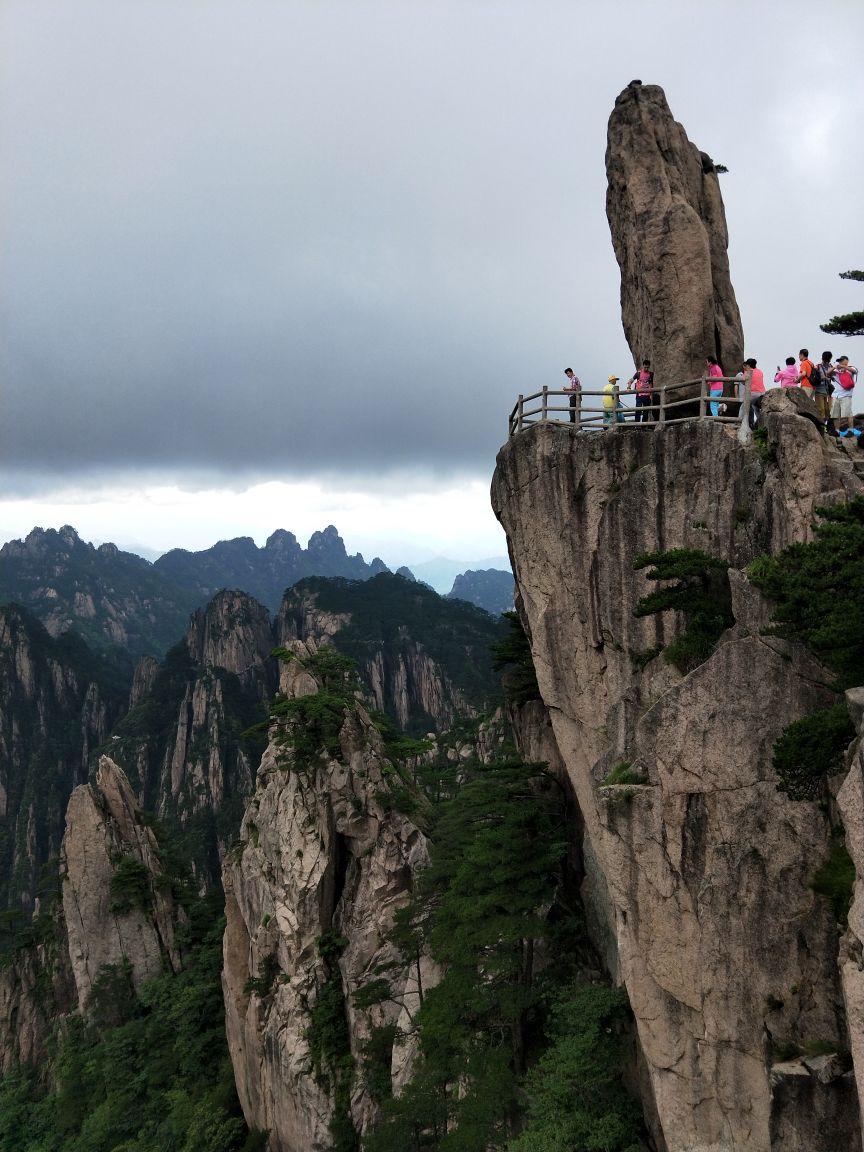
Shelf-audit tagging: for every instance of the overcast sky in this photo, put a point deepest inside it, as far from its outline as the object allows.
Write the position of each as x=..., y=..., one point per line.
x=286, y=264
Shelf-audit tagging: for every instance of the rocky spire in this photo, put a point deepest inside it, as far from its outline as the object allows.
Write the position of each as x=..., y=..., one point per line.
x=669, y=233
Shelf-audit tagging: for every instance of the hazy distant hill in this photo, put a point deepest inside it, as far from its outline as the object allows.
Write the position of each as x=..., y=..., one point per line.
x=265, y=572
x=440, y=572
x=491, y=589
x=108, y=596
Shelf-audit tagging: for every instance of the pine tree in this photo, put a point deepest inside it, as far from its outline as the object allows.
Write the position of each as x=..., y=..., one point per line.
x=852, y=324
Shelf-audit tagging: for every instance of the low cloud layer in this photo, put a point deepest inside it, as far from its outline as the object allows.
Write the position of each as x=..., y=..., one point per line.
x=306, y=238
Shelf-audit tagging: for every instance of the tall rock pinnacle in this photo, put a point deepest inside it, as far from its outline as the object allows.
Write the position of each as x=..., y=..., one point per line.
x=669, y=233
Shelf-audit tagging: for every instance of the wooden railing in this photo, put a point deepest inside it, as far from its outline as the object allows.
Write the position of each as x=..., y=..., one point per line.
x=670, y=404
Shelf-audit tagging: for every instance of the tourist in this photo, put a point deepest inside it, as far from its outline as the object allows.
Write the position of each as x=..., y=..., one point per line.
x=806, y=368
x=611, y=410
x=574, y=388
x=643, y=381
x=845, y=376
x=715, y=383
x=787, y=377
x=757, y=389
x=823, y=386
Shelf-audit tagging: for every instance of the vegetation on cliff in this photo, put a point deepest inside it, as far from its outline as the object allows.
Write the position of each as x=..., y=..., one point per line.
x=700, y=592
x=511, y=656
x=495, y=909
x=388, y=612
x=146, y=1073
x=818, y=590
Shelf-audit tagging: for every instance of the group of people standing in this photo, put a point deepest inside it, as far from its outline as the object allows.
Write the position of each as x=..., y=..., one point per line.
x=829, y=383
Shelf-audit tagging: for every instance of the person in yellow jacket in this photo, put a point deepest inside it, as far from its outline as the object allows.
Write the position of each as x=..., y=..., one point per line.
x=611, y=410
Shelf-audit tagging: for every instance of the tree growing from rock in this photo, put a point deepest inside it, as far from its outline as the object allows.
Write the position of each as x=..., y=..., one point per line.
x=852, y=323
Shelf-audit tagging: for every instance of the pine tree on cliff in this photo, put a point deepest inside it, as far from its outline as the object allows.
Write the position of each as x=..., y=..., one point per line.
x=852, y=324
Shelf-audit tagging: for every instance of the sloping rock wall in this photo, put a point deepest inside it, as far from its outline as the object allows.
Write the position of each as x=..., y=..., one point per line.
x=669, y=233
x=727, y=955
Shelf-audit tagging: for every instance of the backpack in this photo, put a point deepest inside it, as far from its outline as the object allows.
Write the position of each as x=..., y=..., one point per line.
x=814, y=376
x=842, y=378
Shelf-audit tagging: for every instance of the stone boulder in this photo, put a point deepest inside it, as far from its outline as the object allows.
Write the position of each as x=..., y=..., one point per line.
x=669, y=233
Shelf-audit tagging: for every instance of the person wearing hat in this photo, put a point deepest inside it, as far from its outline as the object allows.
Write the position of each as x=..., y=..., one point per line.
x=611, y=415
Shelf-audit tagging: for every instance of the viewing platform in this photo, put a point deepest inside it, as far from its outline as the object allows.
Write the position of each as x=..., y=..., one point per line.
x=587, y=410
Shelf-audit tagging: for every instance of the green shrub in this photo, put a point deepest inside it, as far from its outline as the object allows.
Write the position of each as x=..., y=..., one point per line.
x=701, y=592
x=623, y=773
x=262, y=984
x=836, y=879
x=818, y=590
x=129, y=886
x=575, y=1094
x=512, y=656
x=811, y=749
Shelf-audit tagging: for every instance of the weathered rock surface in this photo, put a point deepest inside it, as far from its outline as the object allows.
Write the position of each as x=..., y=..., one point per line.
x=669, y=233
x=850, y=800
x=726, y=953
x=103, y=828
x=233, y=633
x=320, y=854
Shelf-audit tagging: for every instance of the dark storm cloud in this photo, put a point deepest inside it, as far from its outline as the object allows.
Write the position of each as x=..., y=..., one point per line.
x=280, y=238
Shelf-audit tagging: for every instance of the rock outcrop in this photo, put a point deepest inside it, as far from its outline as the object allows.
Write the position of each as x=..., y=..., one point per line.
x=701, y=869
x=183, y=743
x=323, y=863
x=669, y=233
x=116, y=911
x=423, y=660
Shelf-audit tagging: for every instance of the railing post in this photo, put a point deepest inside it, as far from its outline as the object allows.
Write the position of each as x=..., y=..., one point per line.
x=578, y=409
x=519, y=410
x=544, y=404
x=744, y=433
x=662, y=403
x=616, y=395
x=702, y=395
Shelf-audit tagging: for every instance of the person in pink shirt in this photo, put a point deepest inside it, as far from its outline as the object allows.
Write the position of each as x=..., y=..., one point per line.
x=715, y=384
x=787, y=377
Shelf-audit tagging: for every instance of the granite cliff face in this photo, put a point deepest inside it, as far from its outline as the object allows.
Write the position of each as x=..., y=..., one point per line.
x=56, y=705
x=183, y=744
x=323, y=863
x=700, y=880
x=669, y=233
